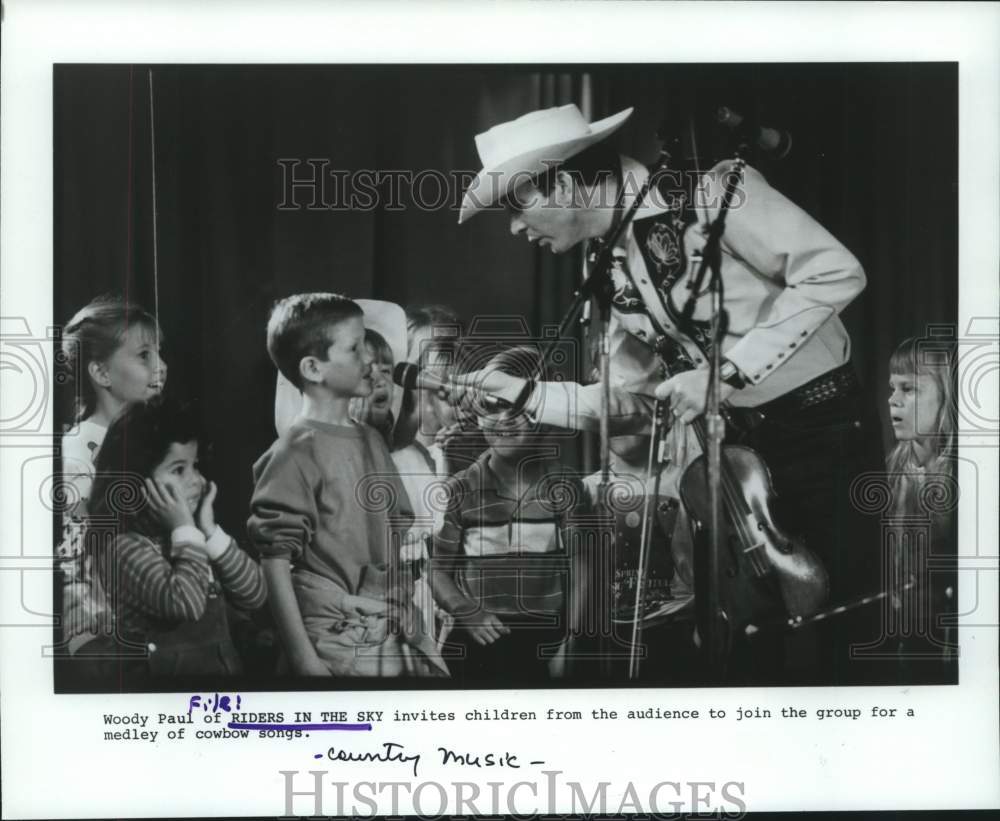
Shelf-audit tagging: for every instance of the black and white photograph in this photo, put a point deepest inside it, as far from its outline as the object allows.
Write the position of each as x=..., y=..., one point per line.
x=578, y=408
x=333, y=346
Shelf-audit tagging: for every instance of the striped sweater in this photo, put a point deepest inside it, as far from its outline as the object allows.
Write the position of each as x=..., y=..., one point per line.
x=510, y=546
x=155, y=583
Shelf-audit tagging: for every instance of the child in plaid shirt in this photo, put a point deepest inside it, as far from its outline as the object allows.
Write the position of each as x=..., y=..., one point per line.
x=509, y=561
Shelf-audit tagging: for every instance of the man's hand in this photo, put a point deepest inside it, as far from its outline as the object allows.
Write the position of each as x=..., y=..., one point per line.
x=686, y=394
x=492, y=382
x=485, y=628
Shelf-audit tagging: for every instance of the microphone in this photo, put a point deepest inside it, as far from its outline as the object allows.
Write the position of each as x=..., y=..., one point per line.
x=771, y=140
x=412, y=377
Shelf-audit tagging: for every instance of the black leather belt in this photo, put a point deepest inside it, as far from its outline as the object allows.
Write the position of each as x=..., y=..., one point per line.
x=840, y=382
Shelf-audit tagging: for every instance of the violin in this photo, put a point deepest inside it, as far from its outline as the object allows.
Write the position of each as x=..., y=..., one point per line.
x=762, y=570
x=762, y=573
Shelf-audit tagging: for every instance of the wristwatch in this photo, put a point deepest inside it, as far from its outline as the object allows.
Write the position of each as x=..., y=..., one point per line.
x=731, y=375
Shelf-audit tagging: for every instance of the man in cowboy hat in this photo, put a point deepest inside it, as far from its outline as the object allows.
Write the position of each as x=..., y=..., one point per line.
x=785, y=370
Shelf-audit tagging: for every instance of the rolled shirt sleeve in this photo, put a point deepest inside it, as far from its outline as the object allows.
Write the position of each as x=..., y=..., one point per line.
x=283, y=511
x=239, y=575
x=635, y=373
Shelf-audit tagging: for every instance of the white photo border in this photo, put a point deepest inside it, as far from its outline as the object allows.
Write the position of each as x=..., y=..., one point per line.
x=947, y=758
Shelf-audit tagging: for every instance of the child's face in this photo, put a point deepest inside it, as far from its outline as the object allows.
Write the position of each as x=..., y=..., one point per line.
x=634, y=449
x=347, y=370
x=135, y=371
x=179, y=469
x=509, y=434
x=380, y=400
x=914, y=404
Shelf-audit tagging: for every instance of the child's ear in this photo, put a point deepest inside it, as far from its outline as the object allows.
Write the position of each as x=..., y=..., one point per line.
x=99, y=374
x=308, y=370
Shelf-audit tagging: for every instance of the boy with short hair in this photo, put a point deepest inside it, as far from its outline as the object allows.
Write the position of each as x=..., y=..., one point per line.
x=318, y=515
x=508, y=562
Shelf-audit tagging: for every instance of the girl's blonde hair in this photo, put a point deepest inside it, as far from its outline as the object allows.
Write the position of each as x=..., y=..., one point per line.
x=933, y=358
x=94, y=333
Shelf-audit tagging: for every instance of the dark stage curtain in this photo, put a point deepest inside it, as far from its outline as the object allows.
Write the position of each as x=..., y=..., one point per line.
x=868, y=161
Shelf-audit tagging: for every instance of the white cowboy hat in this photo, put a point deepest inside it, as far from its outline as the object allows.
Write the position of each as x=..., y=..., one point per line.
x=518, y=150
x=389, y=319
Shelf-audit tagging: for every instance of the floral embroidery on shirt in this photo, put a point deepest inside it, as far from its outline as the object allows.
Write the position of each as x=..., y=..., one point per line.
x=663, y=244
x=660, y=240
x=626, y=299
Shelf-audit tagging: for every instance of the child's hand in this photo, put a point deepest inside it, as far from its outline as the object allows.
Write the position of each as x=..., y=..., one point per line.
x=312, y=665
x=167, y=505
x=444, y=436
x=206, y=511
x=414, y=546
x=364, y=606
x=485, y=628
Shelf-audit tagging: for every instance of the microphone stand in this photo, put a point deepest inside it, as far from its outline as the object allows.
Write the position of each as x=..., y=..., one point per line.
x=715, y=424
x=600, y=287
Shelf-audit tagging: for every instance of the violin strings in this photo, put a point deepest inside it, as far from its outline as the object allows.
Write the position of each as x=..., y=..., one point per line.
x=733, y=500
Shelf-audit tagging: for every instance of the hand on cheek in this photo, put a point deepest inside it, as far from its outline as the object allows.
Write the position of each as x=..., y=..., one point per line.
x=168, y=504
x=206, y=510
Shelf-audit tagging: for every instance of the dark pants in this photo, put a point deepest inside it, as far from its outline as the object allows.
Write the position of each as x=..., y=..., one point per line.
x=516, y=658
x=814, y=455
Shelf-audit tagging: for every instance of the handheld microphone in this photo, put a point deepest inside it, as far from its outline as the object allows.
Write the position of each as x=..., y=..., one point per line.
x=412, y=377
x=771, y=140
